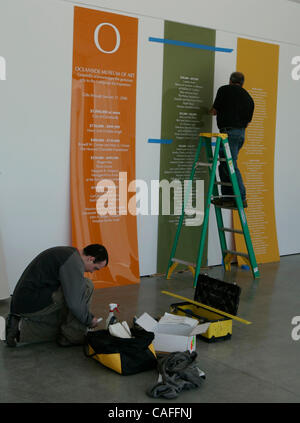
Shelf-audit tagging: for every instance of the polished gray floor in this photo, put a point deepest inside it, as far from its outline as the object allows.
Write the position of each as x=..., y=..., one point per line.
x=259, y=364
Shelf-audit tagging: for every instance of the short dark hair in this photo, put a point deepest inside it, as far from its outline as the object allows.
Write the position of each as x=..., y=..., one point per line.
x=98, y=251
x=237, y=78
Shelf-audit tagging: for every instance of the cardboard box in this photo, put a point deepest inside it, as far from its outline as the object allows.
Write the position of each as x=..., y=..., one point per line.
x=173, y=333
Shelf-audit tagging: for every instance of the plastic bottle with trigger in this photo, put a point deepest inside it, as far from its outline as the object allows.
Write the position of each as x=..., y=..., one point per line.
x=111, y=319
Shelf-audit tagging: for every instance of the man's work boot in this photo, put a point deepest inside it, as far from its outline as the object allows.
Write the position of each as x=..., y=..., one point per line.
x=12, y=332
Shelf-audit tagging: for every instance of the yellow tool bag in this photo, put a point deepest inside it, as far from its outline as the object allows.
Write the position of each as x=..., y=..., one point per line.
x=126, y=356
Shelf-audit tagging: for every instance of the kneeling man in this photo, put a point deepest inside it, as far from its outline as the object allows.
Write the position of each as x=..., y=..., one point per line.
x=51, y=299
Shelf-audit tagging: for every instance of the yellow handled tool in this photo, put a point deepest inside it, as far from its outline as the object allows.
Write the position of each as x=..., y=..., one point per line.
x=222, y=313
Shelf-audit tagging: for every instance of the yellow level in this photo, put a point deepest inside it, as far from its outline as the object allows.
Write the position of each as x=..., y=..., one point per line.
x=222, y=313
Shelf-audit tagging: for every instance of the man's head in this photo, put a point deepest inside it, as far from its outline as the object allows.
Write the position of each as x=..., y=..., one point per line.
x=94, y=257
x=237, y=78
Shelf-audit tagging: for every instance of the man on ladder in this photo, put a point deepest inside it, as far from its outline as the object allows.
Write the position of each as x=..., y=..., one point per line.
x=234, y=109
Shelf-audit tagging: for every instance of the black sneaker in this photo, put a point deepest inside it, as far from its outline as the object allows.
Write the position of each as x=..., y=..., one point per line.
x=12, y=332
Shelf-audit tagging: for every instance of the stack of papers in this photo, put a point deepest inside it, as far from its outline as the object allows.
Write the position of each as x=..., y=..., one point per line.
x=120, y=330
x=168, y=318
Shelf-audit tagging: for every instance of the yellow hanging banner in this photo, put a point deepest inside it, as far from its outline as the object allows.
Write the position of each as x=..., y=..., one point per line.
x=259, y=63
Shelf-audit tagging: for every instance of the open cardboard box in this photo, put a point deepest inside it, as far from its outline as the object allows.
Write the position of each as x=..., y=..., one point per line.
x=173, y=333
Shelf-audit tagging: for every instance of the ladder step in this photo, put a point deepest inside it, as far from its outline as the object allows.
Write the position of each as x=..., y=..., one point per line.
x=222, y=159
x=237, y=253
x=226, y=184
x=236, y=231
x=224, y=196
x=204, y=164
x=187, y=263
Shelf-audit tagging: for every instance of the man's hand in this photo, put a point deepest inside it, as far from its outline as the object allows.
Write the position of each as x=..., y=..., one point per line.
x=95, y=321
x=212, y=111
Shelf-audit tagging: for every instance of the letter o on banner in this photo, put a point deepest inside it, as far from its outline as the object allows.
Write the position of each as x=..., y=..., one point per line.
x=96, y=37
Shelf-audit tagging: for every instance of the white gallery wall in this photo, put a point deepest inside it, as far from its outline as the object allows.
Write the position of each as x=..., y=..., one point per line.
x=36, y=39
x=148, y=125
x=287, y=150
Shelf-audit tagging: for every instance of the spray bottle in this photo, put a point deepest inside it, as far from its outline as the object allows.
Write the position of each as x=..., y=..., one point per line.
x=111, y=319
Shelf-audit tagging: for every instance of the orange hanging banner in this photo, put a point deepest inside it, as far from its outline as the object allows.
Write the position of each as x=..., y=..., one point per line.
x=259, y=63
x=103, y=140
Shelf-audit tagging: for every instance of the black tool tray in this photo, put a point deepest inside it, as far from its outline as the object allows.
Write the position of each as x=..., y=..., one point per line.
x=220, y=295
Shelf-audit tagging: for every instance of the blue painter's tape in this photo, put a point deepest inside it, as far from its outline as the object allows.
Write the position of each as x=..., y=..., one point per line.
x=193, y=45
x=245, y=267
x=158, y=141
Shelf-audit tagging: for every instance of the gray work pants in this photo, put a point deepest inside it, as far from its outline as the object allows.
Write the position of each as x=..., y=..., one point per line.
x=48, y=323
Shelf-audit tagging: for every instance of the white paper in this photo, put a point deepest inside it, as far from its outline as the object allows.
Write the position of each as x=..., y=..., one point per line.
x=147, y=322
x=118, y=330
x=172, y=318
x=200, y=328
x=126, y=327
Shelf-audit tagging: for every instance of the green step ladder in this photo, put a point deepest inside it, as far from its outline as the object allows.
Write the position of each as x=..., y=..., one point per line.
x=212, y=160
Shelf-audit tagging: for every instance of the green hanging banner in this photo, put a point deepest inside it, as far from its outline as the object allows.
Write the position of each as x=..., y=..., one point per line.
x=188, y=82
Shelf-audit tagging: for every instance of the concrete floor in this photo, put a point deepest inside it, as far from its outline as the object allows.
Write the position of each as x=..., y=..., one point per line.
x=259, y=364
